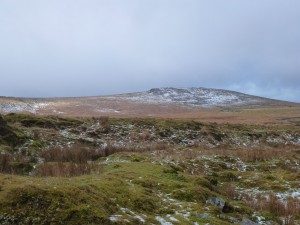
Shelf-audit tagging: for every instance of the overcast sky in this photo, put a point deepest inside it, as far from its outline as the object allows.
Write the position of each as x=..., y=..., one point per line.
x=96, y=47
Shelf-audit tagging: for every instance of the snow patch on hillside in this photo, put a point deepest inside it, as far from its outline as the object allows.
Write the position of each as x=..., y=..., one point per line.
x=107, y=110
x=204, y=97
x=8, y=107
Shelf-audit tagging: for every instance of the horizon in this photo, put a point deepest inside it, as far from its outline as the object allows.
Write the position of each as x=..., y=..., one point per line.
x=56, y=49
x=107, y=95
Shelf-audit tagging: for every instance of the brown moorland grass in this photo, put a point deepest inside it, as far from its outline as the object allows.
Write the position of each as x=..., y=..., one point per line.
x=60, y=169
x=288, y=209
x=282, y=113
x=249, y=155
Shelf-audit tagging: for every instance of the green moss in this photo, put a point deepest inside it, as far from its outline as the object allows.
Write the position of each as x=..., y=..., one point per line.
x=32, y=204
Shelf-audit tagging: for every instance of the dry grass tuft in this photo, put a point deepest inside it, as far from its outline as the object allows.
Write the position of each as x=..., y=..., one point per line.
x=60, y=169
x=288, y=209
x=229, y=190
x=75, y=153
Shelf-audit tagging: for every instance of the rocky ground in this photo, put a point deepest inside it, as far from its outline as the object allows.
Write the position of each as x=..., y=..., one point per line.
x=147, y=171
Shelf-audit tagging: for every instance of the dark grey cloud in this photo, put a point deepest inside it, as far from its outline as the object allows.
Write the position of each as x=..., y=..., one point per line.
x=79, y=47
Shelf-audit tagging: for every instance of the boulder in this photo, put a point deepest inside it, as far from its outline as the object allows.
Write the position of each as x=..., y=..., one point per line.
x=216, y=202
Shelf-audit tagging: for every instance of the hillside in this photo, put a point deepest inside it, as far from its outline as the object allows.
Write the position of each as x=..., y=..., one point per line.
x=201, y=97
x=157, y=102
x=192, y=97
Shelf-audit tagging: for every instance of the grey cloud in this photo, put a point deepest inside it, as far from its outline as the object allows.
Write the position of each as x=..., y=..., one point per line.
x=71, y=48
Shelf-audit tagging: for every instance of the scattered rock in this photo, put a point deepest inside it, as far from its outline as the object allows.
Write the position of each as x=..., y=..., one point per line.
x=229, y=219
x=224, y=206
x=270, y=222
x=216, y=202
x=246, y=221
x=202, y=215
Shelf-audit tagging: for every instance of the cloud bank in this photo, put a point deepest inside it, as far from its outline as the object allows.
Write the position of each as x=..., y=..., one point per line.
x=80, y=48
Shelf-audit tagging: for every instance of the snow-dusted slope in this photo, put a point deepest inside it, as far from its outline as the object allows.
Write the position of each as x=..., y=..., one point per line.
x=32, y=107
x=156, y=100
x=14, y=105
x=203, y=97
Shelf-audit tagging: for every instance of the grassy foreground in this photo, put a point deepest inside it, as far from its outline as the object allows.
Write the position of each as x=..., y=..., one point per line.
x=129, y=189
x=136, y=171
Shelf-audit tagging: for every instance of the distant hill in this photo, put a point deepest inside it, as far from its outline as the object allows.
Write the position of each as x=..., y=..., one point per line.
x=164, y=102
x=200, y=97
